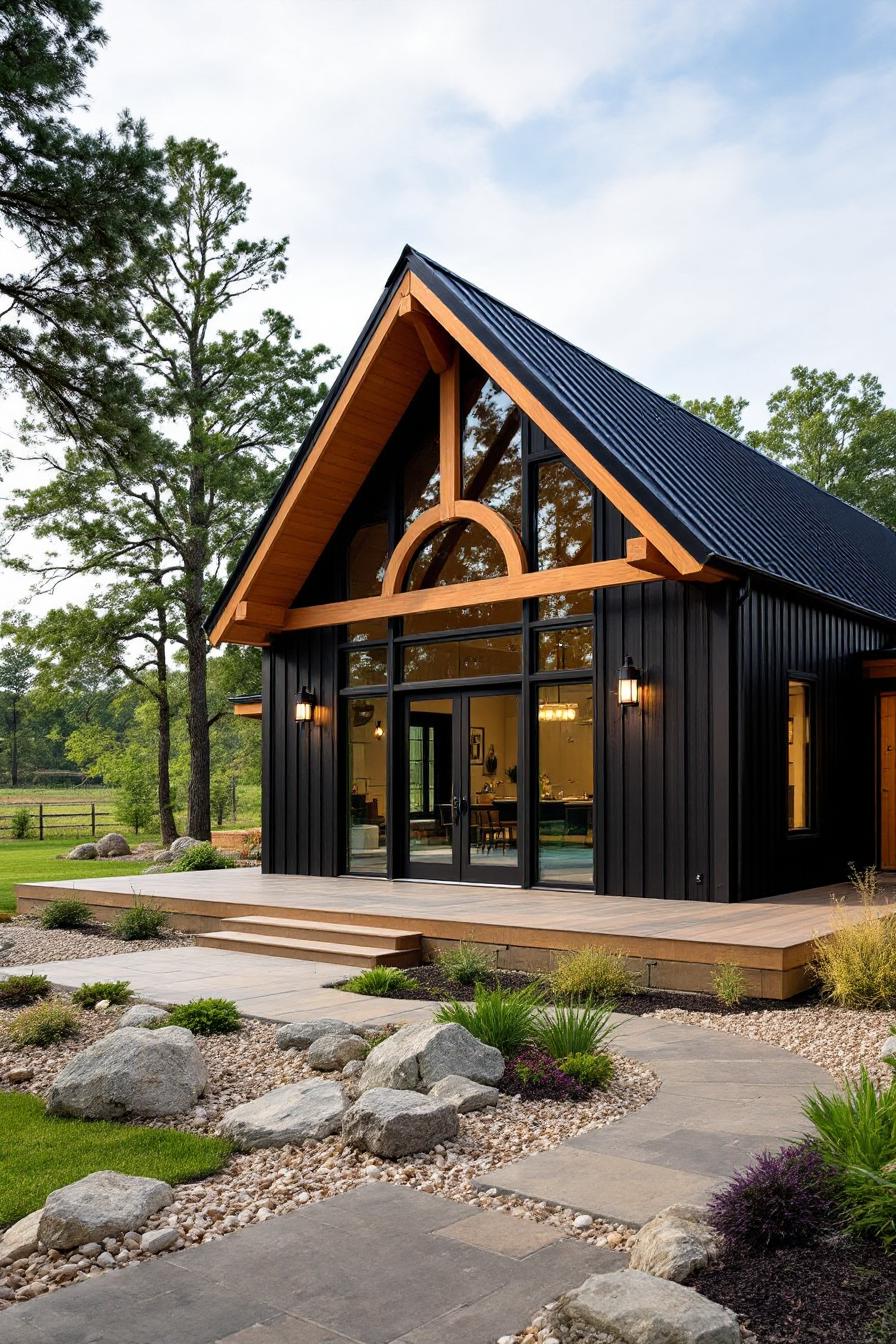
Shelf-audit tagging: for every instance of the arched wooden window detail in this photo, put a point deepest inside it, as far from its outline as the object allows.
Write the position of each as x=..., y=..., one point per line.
x=503, y=538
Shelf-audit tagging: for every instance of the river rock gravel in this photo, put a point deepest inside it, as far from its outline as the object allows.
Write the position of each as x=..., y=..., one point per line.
x=254, y=1187
x=32, y=944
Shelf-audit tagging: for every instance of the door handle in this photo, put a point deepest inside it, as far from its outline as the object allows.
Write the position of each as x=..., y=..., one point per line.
x=455, y=810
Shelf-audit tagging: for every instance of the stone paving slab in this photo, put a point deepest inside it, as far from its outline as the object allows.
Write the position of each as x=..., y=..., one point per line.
x=381, y=1264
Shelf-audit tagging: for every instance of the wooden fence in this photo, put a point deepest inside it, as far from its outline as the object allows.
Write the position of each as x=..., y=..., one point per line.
x=45, y=820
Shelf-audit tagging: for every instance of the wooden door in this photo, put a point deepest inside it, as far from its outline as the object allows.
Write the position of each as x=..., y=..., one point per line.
x=888, y=779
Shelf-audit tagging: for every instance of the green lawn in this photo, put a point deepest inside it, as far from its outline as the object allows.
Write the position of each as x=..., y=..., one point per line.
x=78, y=800
x=40, y=1153
x=38, y=861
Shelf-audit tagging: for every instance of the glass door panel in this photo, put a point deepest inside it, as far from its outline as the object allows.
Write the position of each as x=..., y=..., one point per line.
x=431, y=802
x=491, y=848
x=566, y=784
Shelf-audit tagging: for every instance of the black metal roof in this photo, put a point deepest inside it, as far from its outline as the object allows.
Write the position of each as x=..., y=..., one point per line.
x=726, y=502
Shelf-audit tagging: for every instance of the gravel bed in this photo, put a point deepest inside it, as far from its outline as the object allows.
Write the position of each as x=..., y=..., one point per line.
x=33, y=944
x=841, y=1040
x=254, y=1187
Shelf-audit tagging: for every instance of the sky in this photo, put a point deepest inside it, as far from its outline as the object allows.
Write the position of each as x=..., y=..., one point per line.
x=701, y=193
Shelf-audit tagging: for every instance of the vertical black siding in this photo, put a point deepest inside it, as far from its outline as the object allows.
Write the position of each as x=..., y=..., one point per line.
x=779, y=635
x=300, y=783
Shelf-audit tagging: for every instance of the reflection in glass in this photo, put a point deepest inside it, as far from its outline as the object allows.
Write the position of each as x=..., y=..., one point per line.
x=564, y=523
x=421, y=475
x=430, y=814
x=367, y=553
x=566, y=784
x=491, y=445
x=568, y=647
x=557, y=605
x=444, y=660
x=464, y=618
x=368, y=739
x=494, y=748
x=458, y=553
x=359, y=632
x=799, y=746
x=367, y=667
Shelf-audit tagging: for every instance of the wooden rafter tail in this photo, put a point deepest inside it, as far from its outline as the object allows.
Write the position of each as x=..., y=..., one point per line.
x=259, y=614
x=248, y=710
x=644, y=555
x=437, y=345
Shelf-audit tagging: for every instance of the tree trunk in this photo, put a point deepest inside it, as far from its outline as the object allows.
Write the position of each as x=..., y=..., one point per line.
x=199, y=811
x=14, y=746
x=166, y=811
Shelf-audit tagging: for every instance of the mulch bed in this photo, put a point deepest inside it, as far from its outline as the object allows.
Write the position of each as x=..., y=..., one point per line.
x=433, y=983
x=805, y=1295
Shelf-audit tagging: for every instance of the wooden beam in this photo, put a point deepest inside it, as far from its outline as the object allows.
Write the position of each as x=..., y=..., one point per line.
x=435, y=518
x=450, y=470
x=251, y=710
x=260, y=613
x=644, y=555
x=602, y=574
x=594, y=471
x=880, y=668
x=437, y=345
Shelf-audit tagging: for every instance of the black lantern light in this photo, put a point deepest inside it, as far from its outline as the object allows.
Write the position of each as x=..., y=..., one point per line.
x=629, y=683
x=306, y=703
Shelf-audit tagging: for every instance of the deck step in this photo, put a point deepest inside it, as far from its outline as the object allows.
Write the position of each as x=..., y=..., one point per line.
x=305, y=949
x=357, y=935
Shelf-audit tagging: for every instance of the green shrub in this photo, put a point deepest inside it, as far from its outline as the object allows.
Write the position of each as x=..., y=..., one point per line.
x=43, y=1024
x=206, y=1017
x=20, y=823
x=466, y=964
x=568, y=1030
x=857, y=1136
x=591, y=973
x=116, y=991
x=67, y=913
x=381, y=981
x=200, y=858
x=592, y=1070
x=855, y=964
x=17, y=990
x=503, y=1018
x=729, y=983
x=141, y=921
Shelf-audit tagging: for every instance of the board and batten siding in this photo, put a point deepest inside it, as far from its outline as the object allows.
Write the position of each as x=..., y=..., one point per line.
x=779, y=636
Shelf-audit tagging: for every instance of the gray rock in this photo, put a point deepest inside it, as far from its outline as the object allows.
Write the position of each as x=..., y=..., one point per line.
x=131, y=1072
x=675, y=1244
x=299, y=1035
x=353, y=1069
x=463, y=1094
x=21, y=1239
x=112, y=846
x=888, y=1050
x=311, y=1109
x=5, y=951
x=142, y=1015
x=158, y=1240
x=87, y=851
x=636, y=1308
x=21, y=1075
x=102, y=1205
x=162, y=857
x=181, y=844
x=156, y=868
x=392, y=1122
x=335, y=1051
x=417, y=1057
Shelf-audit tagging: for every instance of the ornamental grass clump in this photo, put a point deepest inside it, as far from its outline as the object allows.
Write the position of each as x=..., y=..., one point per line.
x=855, y=964
x=590, y=1070
x=857, y=1137
x=200, y=858
x=591, y=972
x=140, y=922
x=504, y=1018
x=206, y=1017
x=570, y=1030
x=532, y=1074
x=66, y=913
x=466, y=964
x=112, y=991
x=729, y=984
x=43, y=1024
x=17, y=990
x=381, y=982
x=788, y=1198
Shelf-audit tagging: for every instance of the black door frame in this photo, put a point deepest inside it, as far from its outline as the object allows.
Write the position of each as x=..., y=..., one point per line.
x=460, y=868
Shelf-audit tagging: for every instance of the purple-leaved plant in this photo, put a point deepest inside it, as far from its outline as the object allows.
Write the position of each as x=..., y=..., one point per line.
x=535, y=1076
x=788, y=1198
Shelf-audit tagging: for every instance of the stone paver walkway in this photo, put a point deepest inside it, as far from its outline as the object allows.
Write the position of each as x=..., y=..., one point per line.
x=276, y=988
x=379, y=1265
x=723, y=1098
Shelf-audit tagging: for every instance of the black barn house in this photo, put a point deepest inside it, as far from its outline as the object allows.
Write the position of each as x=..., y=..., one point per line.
x=527, y=622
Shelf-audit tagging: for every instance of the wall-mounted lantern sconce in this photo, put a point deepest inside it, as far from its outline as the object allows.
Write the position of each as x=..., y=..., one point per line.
x=629, y=683
x=306, y=703
x=379, y=730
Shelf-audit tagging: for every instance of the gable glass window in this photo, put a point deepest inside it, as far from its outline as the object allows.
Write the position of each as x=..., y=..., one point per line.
x=459, y=553
x=491, y=445
x=367, y=554
x=564, y=534
x=800, y=745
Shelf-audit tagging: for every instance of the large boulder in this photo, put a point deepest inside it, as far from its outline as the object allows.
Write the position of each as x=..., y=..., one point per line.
x=311, y=1109
x=182, y=844
x=392, y=1122
x=636, y=1308
x=675, y=1244
x=102, y=1205
x=112, y=846
x=299, y=1035
x=87, y=851
x=463, y=1094
x=20, y=1240
x=417, y=1057
x=131, y=1072
x=335, y=1051
x=143, y=1015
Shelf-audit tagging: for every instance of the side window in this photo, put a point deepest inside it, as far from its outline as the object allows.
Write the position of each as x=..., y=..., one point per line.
x=800, y=747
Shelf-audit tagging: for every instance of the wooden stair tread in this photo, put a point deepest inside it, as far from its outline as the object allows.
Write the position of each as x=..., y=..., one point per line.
x=308, y=950
x=404, y=937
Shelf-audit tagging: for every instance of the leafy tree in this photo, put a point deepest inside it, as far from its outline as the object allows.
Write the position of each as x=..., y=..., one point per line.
x=16, y=675
x=78, y=207
x=726, y=413
x=838, y=433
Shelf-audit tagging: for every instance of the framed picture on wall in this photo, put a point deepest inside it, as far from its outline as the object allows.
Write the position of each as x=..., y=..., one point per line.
x=477, y=746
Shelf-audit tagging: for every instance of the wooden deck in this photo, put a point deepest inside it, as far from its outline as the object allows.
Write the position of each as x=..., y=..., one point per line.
x=674, y=943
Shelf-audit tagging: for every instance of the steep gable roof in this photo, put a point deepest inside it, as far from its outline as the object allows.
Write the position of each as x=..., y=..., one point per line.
x=723, y=501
